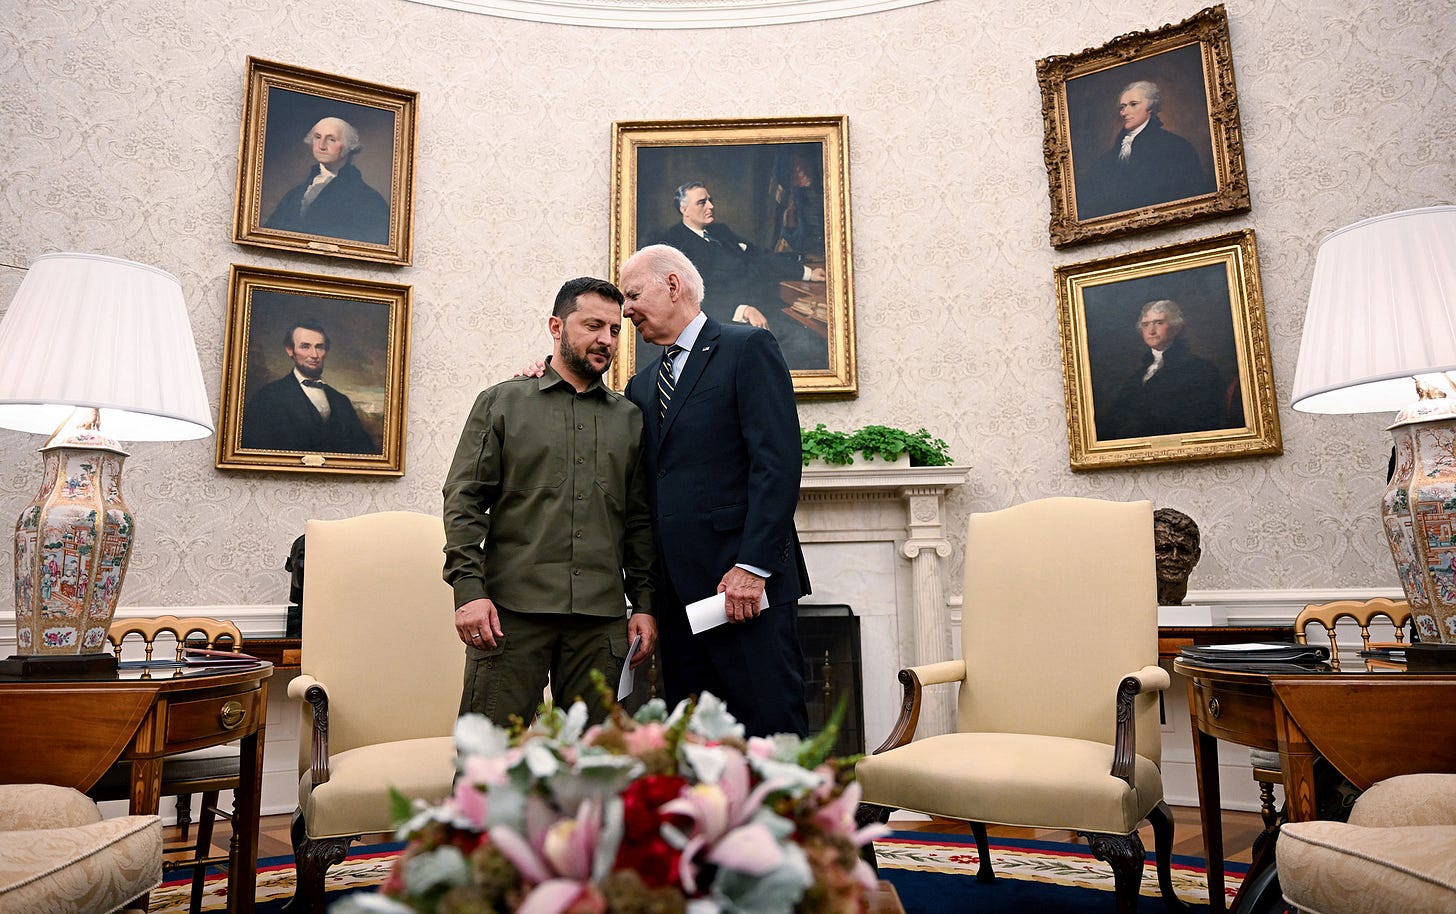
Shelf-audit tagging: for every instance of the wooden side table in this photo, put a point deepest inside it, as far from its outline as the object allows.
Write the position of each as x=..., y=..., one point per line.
x=70, y=732
x=1369, y=725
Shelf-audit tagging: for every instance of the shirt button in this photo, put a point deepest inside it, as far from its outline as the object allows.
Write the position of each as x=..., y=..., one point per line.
x=579, y=496
x=576, y=571
x=581, y=460
x=579, y=426
x=578, y=534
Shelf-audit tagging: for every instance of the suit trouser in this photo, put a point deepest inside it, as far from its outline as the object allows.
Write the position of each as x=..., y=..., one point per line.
x=757, y=667
x=507, y=680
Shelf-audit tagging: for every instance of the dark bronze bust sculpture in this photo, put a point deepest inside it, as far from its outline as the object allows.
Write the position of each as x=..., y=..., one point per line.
x=1176, y=545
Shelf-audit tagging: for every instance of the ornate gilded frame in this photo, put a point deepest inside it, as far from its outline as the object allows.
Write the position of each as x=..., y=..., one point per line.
x=1216, y=281
x=1192, y=62
x=367, y=324
x=281, y=103
x=741, y=161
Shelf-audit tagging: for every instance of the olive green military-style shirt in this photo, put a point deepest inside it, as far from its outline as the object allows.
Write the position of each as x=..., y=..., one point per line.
x=546, y=502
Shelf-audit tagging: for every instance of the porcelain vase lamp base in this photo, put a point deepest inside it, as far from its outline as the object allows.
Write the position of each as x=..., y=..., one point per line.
x=1418, y=512
x=72, y=545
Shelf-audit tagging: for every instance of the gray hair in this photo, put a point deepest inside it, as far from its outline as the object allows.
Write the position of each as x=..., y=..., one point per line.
x=681, y=193
x=662, y=259
x=1166, y=307
x=1150, y=91
x=351, y=136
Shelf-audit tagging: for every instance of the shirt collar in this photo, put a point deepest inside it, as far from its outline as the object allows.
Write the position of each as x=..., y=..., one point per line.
x=551, y=378
x=689, y=335
x=299, y=377
x=1141, y=127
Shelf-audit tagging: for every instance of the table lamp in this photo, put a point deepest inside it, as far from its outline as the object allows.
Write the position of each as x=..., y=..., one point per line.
x=92, y=349
x=1380, y=335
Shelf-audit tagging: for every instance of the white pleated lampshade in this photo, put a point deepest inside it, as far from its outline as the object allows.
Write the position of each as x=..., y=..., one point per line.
x=91, y=331
x=1382, y=309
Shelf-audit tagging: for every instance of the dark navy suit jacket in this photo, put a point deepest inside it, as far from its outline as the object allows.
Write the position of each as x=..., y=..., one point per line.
x=724, y=466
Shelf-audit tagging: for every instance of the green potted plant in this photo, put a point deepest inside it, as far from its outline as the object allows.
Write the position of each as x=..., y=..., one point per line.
x=874, y=443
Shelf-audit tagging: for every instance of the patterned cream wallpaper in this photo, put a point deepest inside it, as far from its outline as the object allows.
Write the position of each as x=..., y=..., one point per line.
x=120, y=137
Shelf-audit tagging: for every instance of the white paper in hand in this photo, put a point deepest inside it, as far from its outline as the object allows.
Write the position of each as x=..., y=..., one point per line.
x=628, y=680
x=713, y=612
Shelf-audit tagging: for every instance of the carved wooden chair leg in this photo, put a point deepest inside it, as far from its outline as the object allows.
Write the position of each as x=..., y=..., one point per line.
x=1125, y=853
x=1267, y=810
x=311, y=860
x=984, y=873
x=871, y=814
x=184, y=813
x=1161, y=818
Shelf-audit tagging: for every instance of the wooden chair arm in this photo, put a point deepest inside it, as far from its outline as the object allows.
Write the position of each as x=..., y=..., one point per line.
x=306, y=688
x=1124, y=743
x=912, y=680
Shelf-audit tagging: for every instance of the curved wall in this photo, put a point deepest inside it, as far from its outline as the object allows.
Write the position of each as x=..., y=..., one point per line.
x=121, y=138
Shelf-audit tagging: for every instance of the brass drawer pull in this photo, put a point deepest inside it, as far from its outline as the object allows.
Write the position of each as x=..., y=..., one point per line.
x=1213, y=708
x=232, y=715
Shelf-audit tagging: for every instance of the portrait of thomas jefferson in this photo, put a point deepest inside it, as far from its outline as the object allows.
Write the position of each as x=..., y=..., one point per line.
x=1162, y=355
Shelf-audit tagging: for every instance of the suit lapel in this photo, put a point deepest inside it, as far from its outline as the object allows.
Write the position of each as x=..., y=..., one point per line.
x=698, y=359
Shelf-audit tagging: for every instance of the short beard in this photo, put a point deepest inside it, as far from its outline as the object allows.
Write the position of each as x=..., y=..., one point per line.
x=577, y=364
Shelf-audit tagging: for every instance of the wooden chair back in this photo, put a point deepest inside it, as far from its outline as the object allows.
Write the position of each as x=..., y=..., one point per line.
x=218, y=634
x=1362, y=613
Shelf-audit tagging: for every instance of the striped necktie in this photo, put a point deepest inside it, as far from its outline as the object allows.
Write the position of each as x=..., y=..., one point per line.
x=664, y=381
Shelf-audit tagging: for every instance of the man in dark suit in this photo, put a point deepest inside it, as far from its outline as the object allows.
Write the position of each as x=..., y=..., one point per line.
x=740, y=279
x=1146, y=165
x=1171, y=391
x=299, y=412
x=723, y=464
x=333, y=200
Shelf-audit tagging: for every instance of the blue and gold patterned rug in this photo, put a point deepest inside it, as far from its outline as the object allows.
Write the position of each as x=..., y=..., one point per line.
x=933, y=874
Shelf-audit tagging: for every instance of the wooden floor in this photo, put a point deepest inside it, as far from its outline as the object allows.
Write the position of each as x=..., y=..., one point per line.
x=1239, y=831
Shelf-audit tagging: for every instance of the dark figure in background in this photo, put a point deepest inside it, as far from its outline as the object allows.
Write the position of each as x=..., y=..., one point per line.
x=299, y=412
x=1171, y=391
x=799, y=204
x=723, y=465
x=333, y=200
x=740, y=279
x=1176, y=545
x=1146, y=165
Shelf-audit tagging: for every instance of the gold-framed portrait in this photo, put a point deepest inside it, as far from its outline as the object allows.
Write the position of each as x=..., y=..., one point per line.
x=761, y=208
x=314, y=372
x=1143, y=131
x=326, y=165
x=1165, y=355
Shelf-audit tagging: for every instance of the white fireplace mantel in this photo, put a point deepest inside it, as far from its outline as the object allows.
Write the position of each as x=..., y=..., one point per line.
x=874, y=539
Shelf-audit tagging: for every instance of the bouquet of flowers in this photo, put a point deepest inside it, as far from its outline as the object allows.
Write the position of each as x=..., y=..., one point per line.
x=655, y=813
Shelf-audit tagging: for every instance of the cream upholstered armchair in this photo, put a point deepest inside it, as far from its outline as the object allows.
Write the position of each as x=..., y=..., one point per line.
x=1057, y=711
x=1397, y=852
x=59, y=856
x=381, y=674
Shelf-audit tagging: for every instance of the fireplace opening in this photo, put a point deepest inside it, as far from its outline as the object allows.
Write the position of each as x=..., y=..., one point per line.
x=829, y=636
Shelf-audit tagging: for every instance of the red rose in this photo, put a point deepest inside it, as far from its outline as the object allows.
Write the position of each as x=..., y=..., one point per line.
x=643, y=850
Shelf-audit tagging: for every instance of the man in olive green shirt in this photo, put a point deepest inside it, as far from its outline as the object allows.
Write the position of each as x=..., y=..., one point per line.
x=547, y=527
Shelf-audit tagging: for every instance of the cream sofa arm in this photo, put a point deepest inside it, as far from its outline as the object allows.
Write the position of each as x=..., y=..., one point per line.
x=306, y=688
x=1124, y=742
x=912, y=679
